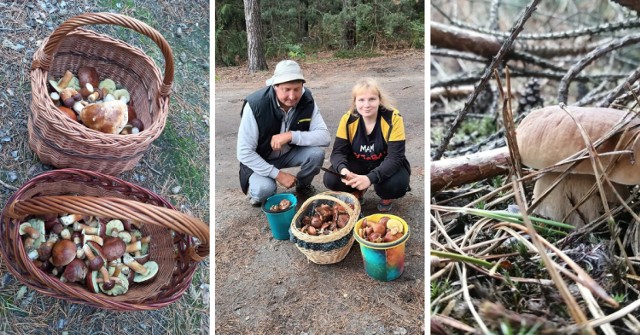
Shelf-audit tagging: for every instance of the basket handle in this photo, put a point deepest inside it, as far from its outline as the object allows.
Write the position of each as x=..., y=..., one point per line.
x=118, y=208
x=44, y=59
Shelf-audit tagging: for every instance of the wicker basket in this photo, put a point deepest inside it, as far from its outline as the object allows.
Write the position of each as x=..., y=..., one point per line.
x=342, y=240
x=92, y=193
x=62, y=142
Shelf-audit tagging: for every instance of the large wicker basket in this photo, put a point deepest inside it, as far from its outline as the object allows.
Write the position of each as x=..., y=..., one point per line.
x=332, y=248
x=62, y=142
x=90, y=193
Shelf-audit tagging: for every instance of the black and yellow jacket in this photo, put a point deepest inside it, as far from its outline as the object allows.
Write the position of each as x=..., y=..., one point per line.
x=381, y=153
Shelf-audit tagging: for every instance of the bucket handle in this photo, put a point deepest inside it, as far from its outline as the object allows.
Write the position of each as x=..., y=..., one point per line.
x=112, y=207
x=43, y=60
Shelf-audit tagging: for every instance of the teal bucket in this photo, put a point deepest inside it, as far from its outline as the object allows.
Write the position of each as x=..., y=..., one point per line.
x=279, y=222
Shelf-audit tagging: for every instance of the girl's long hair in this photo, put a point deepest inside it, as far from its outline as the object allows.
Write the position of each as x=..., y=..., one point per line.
x=369, y=85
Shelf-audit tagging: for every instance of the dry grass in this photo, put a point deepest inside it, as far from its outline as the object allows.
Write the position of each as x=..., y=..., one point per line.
x=495, y=274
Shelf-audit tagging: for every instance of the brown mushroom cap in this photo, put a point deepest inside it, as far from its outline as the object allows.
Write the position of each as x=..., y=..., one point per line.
x=75, y=271
x=107, y=117
x=113, y=248
x=63, y=252
x=549, y=135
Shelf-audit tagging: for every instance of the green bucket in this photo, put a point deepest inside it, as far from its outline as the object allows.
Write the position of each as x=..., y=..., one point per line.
x=279, y=222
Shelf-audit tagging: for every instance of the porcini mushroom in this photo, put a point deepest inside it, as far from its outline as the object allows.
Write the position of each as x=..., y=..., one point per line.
x=108, y=117
x=74, y=271
x=113, y=248
x=549, y=135
x=63, y=252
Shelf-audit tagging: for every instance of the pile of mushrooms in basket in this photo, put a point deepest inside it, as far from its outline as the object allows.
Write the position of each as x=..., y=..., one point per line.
x=105, y=255
x=96, y=102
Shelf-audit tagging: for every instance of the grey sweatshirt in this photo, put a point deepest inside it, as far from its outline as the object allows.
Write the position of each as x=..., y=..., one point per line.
x=318, y=135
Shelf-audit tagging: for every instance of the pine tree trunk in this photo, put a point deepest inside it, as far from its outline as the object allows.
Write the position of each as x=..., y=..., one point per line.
x=257, y=61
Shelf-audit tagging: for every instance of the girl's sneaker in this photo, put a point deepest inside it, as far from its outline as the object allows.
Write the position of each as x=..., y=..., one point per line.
x=384, y=205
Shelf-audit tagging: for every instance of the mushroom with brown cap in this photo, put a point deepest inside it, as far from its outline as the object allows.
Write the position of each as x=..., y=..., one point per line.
x=63, y=252
x=108, y=117
x=113, y=248
x=93, y=253
x=144, y=272
x=550, y=135
x=74, y=271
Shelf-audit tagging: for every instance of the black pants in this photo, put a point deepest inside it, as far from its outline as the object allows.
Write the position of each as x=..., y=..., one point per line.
x=392, y=188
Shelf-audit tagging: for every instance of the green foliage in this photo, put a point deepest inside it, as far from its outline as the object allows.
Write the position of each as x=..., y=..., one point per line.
x=230, y=33
x=620, y=297
x=291, y=28
x=439, y=288
x=295, y=51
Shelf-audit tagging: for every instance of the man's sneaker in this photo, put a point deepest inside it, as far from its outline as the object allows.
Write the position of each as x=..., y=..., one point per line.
x=254, y=202
x=384, y=205
x=306, y=191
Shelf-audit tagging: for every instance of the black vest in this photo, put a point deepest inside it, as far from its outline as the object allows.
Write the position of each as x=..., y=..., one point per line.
x=269, y=118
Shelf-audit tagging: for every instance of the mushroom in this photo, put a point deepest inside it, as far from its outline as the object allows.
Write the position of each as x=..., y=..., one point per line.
x=93, y=253
x=113, y=248
x=35, y=229
x=26, y=229
x=69, y=96
x=144, y=272
x=115, y=286
x=108, y=117
x=74, y=271
x=549, y=135
x=113, y=227
x=63, y=252
x=70, y=219
x=88, y=75
x=107, y=84
x=136, y=123
x=122, y=95
x=44, y=251
x=90, y=230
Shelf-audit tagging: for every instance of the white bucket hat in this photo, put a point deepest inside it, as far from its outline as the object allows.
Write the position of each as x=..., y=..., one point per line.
x=286, y=70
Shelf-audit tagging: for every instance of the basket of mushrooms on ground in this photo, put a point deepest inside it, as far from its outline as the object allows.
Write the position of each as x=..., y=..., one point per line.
x=323, y=226
x=91, y=238
x=97, y=103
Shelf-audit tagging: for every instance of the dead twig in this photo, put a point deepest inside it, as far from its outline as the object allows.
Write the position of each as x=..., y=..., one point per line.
x=504, y=50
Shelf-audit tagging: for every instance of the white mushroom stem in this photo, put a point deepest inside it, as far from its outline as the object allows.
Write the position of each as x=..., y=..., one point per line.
x=26, y=229
x=77, y=226
x=134, y=247
x=559, y=204
x=111, y=278
x=65, y=234
x=70, y=219
x=94, y=238
x=135, y=266
x=104, y=273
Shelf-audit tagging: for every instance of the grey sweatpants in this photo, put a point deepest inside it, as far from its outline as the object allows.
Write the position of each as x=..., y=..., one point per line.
x=309, y=159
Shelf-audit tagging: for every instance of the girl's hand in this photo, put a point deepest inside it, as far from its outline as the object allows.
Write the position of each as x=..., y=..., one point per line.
x=357, y=181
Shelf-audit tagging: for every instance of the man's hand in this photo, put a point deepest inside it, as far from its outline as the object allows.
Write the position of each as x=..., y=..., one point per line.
x=277, y=141
x=357, y=181
x=286, y=179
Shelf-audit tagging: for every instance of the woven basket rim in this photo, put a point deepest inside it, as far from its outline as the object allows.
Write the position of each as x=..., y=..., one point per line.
x=329, y=196
x=11, y=247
